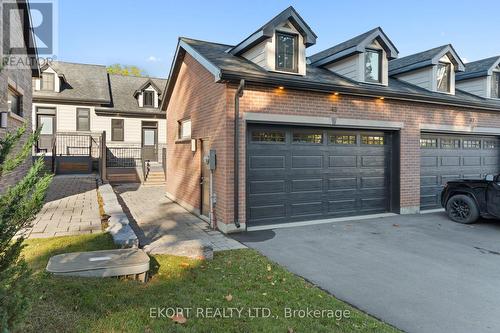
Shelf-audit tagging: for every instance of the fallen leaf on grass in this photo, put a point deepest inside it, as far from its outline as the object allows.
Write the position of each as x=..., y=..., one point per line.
x=184, y=264
x=229, y=297
x=269, y=268
x=290, y=330
x=179, y=319
x=269, y=277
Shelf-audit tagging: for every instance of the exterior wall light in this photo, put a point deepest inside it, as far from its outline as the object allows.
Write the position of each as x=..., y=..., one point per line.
x=281, y=88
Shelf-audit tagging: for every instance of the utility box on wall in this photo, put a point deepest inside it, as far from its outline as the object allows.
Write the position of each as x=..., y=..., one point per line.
x=212, y=159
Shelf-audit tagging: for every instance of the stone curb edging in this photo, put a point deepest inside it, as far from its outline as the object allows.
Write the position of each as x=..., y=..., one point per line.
x=118, y=223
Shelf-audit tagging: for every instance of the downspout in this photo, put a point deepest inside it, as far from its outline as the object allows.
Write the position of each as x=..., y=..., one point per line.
x=237, y=95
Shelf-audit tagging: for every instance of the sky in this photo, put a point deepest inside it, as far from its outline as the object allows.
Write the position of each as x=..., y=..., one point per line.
x=144, y=33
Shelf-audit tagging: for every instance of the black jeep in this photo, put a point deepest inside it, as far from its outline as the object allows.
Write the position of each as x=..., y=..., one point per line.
x=466, y=200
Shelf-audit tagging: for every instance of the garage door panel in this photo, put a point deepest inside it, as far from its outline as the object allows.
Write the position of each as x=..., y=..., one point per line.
x=459, y=157
x=342, y=183
x=450, y=161
x=307, y=185
x=307, y=162
x=335, y=176
x=267, y=187
x=307, y=208
x=342, y=161
x=267, y=162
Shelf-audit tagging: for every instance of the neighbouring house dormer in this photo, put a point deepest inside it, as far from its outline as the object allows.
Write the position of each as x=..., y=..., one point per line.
x=50, y=80
x=481, y=78
x=364, y=58
x=279, y=45
x=433, y=69
x=148, y=95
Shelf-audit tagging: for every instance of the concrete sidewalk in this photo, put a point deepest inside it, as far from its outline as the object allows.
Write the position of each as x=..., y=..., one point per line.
x=160, y=222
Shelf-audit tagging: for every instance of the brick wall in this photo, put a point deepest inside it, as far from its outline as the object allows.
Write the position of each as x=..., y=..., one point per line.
x=19, y=78
x=198, y=97
x=211, y=108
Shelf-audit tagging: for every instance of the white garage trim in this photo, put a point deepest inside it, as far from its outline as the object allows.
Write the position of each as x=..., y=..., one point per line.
x=460, y=129
x=321, y=121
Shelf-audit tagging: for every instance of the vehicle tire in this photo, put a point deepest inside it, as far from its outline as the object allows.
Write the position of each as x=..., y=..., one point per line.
x=462, y=209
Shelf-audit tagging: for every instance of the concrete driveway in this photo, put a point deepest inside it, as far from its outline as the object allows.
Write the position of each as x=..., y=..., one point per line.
x=420, y=273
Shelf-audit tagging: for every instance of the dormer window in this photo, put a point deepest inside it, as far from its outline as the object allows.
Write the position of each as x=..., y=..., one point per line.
x=495, y=85
x=287, y=52
x=47, y=82
x=148, y=98
x=443, y=77
x=373, y=66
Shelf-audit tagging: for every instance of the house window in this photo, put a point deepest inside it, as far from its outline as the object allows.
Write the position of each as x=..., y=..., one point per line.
x=307, y=137
x=443, y=77
x=15, y=102
x=495, y=85
x=82, y=119
x=286, y=52
x=450, y=143
x=472, y=144
x=343, y=139
x=373, y=66
x=428, y=143
x=268, y=136
x=148, y=98
x=185, y=129
x=47, y=82
x=117, y=130
x=372, y=140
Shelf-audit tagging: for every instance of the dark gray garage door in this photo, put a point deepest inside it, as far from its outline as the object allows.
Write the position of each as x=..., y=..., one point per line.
x=297, y=174
x=447, y=157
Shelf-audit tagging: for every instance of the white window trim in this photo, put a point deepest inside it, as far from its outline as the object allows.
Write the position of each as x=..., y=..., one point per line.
x=185, y=129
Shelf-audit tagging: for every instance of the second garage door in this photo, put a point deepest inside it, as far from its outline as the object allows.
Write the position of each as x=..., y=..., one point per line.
x=449, y=157
x=297, y=174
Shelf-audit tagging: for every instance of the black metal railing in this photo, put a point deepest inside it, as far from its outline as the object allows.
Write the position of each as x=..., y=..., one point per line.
x=145, y=166
x=123, y=157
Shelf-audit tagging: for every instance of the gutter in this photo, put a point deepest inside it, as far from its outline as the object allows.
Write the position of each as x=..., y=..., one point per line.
x=354, y=91
x=237, y=95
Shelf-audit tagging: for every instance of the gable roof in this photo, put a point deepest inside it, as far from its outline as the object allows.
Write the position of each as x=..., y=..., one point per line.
x=83, y=83
x=267, y=31
x=355, y=45
x=123, y=89
x=478, y=68
x=146, y=84
x=424, y=59
x=230, y=68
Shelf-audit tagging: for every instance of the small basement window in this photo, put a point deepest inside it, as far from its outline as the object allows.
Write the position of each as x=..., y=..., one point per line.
x=148, y=98
x=15, y=102
x=495, y=85
x=117, y=130
x=287, y=52
x=443, y=77
x=472, y=144
x=450, y=143
x=372, y=140
x=343, y=139
x=268, y=136
x=185, y=129
x=373, y=66
x=307, y=137
x=428, y=143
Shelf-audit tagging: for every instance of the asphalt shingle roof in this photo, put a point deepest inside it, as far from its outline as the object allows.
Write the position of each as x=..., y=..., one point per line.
x=83, y=83
x=342, y=46
x=229, y=64
x=477, y=68
x=414, y=59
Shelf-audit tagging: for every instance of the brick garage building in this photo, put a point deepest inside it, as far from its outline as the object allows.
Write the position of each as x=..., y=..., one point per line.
x=15, y=81
x=352, y=130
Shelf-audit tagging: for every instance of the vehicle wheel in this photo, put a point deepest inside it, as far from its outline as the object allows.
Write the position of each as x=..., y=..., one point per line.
x=462, y=209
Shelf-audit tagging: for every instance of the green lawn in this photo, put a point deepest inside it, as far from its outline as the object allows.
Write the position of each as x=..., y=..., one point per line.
x=112, y=305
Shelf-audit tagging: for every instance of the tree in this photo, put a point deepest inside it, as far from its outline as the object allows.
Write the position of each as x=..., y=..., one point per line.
x=18, y=206
x=126, y=70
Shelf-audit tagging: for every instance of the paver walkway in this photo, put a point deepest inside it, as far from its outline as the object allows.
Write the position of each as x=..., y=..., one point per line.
x=155, y=218
x=70, y=208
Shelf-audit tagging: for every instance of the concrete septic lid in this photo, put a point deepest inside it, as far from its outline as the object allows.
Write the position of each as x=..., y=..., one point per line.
x=100, y=263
